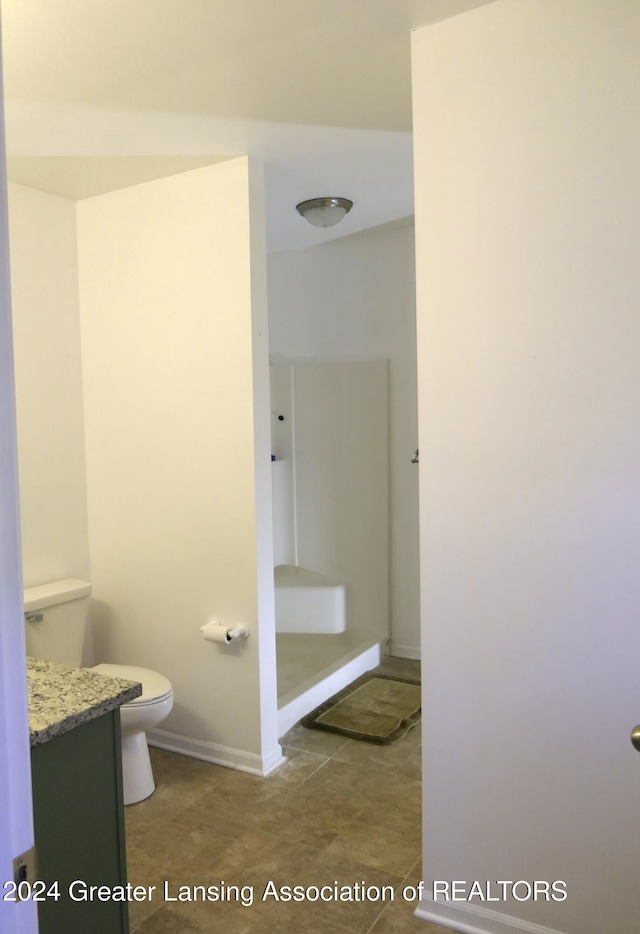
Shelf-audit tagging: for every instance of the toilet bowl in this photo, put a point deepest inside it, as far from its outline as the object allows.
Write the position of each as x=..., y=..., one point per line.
x=139, y=715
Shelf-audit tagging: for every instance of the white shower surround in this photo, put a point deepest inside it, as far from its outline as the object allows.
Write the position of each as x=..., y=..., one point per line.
x=308, y=602
x=330, y=485
x=354, y=299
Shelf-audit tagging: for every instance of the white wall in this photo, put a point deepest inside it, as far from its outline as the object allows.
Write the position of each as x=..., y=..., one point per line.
x=527, y=229
x=354, y=299
x=46, y=326
x=331, y=482
x=174, y=346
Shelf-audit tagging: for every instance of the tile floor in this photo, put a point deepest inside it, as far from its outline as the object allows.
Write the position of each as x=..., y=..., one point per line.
x=338, y=811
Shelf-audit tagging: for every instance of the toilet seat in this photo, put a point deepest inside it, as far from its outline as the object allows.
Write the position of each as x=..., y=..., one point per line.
x=155, y=687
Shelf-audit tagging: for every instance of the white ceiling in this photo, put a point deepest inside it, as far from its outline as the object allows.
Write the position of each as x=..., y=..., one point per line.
x=101, y=94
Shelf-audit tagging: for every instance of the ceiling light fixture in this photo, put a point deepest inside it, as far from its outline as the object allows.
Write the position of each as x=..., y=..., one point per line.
x=324, y=212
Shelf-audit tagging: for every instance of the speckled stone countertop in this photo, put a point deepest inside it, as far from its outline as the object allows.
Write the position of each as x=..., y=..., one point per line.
x=62, y=698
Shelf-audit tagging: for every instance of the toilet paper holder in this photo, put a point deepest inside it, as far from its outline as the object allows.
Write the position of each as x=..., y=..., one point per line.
x=216, y=631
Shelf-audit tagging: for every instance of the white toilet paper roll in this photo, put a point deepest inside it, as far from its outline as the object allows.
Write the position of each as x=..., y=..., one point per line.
x=214, y=632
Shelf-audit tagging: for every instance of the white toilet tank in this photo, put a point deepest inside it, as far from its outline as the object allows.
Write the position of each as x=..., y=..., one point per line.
x=55, y=618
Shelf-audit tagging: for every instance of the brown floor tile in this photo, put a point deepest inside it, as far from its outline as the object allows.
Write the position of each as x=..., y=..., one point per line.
x=152, y=810
x=220, y=815
x=339, y=811
x=232, y=918
x=415, y=873
x=399, y=791
x=319, y=741
x=336, y=777
x=378, y=847
x=412, y=766
x=249, y=863
x=146, y=870
x=298, y=918
x=162, y=760
x=285, y=924
x=187, y=843
x=399, y=667
x=237, y=796
x=256, y=856
x=179, y=782
x=357, y=914
x=165, y=921
x=298, y=767
x=389, y=757
x=310, y=818
x=397, y=822
x=177, y=920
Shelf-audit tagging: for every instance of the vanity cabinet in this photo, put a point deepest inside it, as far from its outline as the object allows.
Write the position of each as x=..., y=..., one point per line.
x=79, y=826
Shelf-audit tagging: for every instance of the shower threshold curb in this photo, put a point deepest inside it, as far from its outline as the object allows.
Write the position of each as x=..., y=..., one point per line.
x=296, y=704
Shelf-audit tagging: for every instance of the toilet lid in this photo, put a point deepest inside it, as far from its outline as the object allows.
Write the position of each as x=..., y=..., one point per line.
x=154, y=685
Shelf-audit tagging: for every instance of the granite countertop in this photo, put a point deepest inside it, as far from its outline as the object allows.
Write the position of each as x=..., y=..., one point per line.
x=62, y=698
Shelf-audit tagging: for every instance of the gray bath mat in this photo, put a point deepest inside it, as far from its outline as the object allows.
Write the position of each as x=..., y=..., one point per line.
x=375, y=708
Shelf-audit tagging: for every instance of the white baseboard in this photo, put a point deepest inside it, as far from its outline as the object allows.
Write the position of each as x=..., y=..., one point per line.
x=476, y=920
x=398, y=650
x=220, y=755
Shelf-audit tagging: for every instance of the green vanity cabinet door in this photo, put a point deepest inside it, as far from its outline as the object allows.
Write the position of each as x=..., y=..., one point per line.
x=79, y=826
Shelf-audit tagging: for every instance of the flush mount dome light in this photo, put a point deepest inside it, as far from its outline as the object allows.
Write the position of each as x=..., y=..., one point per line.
x=324, y=212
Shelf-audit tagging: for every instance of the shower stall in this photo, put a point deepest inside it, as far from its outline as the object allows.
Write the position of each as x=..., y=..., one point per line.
x=330, y=484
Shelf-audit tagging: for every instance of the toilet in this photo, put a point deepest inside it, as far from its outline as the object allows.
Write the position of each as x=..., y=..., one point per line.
x=55, y=624
x=139, y=715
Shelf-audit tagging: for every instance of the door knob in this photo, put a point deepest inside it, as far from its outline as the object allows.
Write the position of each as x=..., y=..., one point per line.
x=635, y=737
